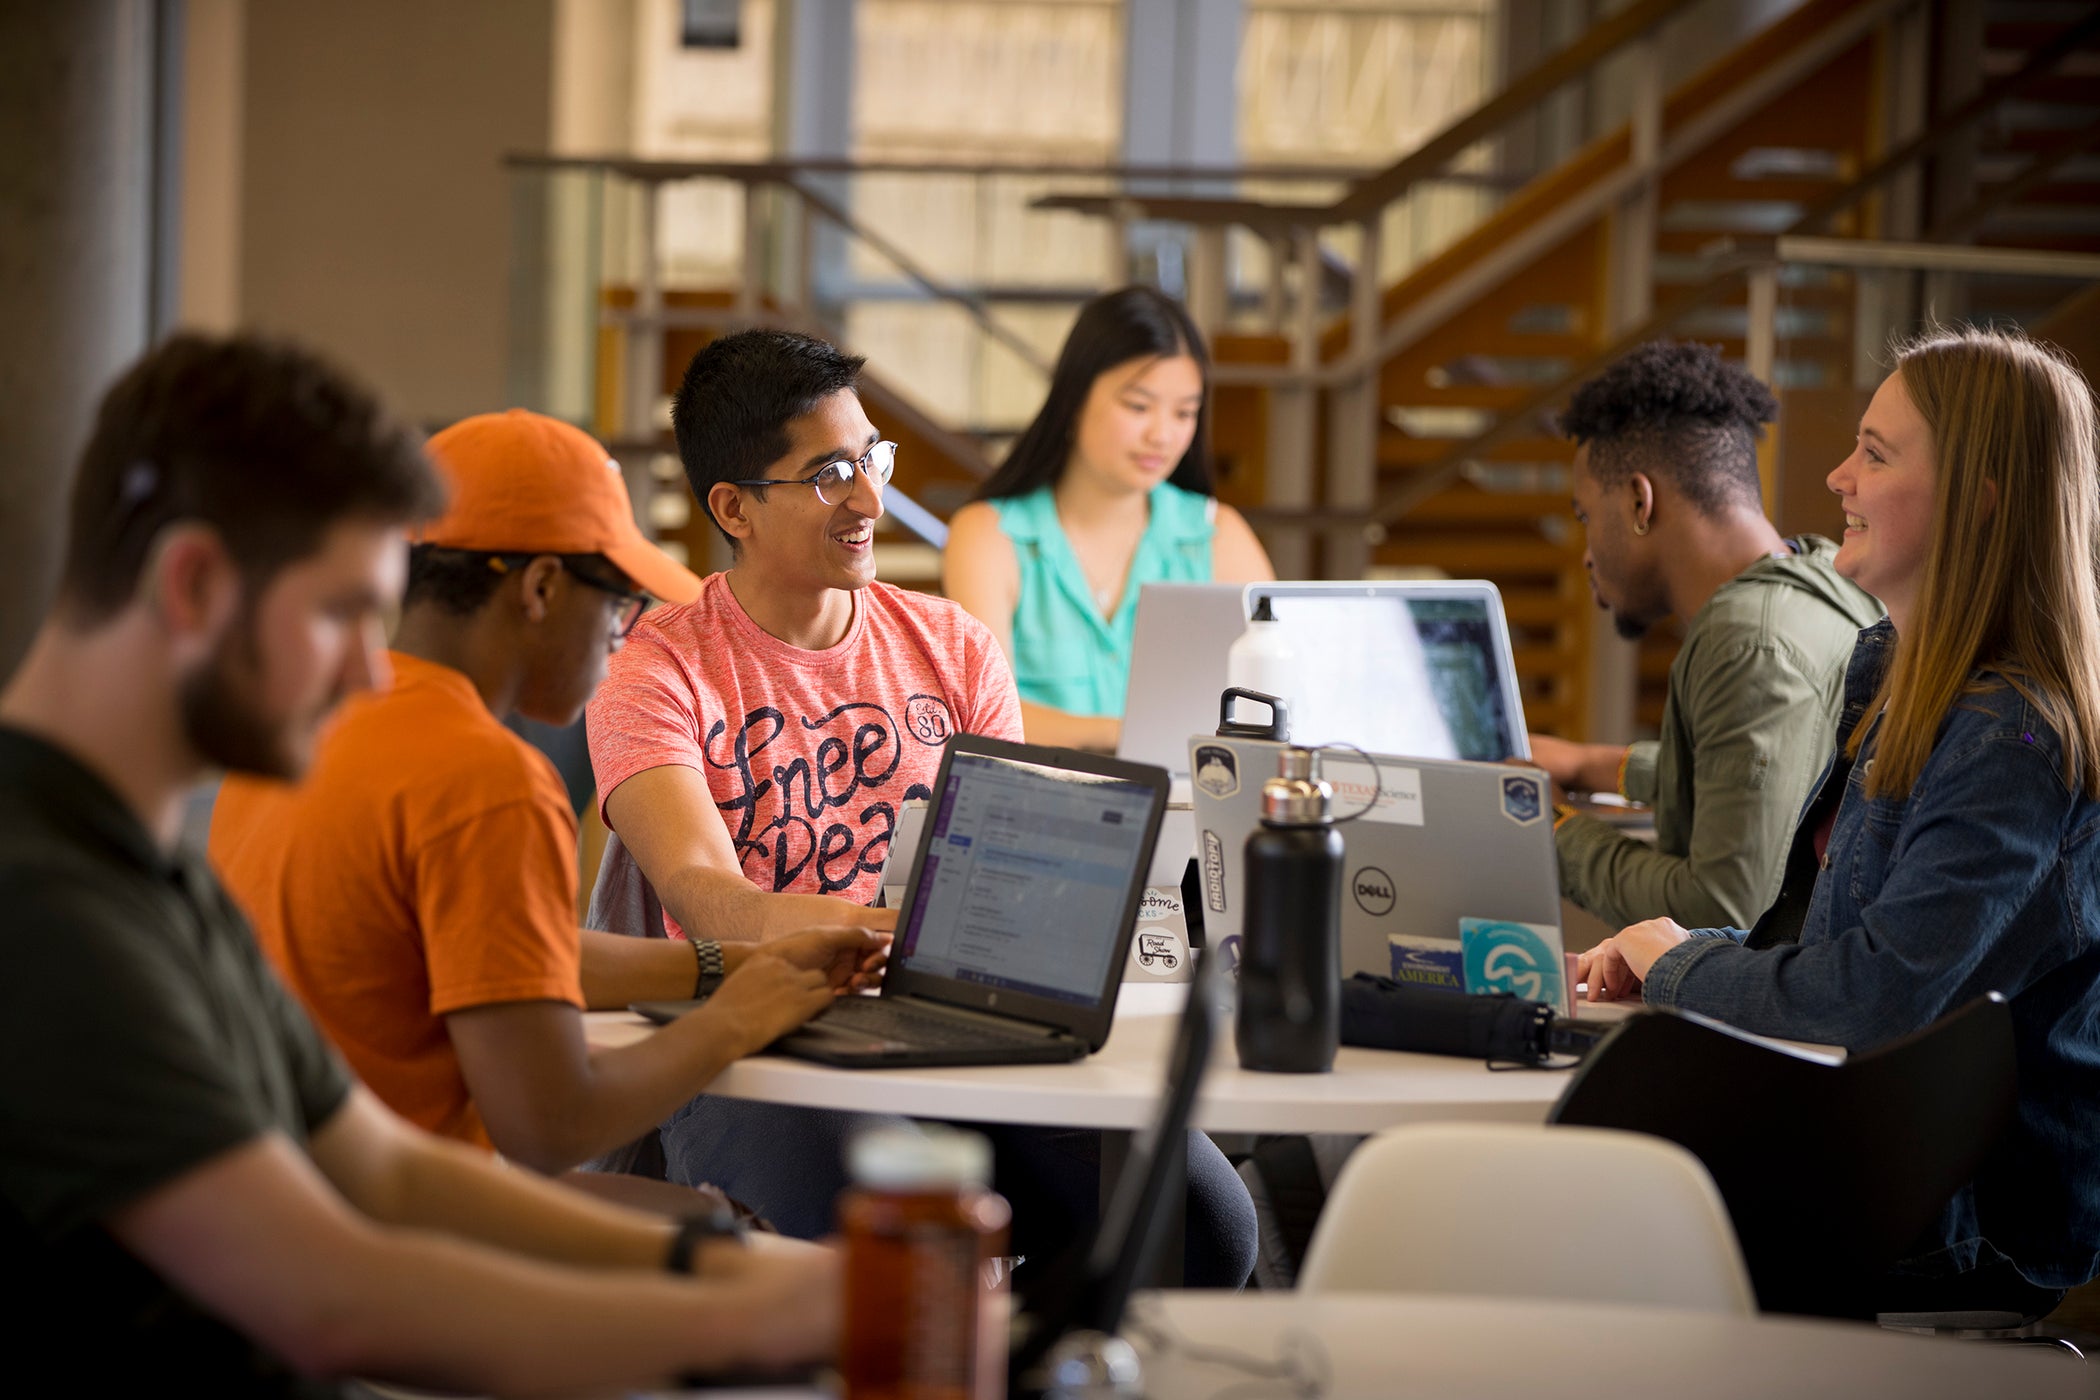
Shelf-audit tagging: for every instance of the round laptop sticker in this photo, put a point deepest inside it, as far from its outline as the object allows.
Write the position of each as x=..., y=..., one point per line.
x=926, y=716
x=1159, y=951
x=1509, y=957
x=1522, y=800
x=1372, y=889
x=1217, y=771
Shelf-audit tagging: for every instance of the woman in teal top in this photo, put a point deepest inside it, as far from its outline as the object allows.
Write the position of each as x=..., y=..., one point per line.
x=1107, y=490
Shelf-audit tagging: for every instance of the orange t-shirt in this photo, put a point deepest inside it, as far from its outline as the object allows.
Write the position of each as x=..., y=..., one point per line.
x=427, y=864
x=808, y=754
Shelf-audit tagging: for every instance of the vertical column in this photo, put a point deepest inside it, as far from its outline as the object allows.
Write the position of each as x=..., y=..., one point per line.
x=813, y=77
x=77, y=98
x=644, y=375
x=1959, y=51
x=1884, y=303
x=1353, y=417
x=1760, y=357
x=1614, y=661
x=1293, y=410
x=1180, y=107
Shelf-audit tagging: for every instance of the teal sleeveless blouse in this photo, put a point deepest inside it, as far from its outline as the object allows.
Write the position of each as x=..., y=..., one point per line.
x=1066, y=654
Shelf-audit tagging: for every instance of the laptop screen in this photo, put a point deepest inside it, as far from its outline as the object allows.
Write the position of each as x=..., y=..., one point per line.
x=1393, y=669
x=1465, y=675
x=1026, y=876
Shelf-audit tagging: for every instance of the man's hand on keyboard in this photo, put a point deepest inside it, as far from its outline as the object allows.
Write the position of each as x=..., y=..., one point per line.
x=851, y=959
x=782, y=984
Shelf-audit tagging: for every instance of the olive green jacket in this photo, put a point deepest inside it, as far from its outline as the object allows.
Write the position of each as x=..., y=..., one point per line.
x=1751, y=715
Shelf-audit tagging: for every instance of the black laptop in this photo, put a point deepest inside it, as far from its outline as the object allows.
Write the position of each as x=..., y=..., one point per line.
x=1088, y=1289
x=1011, y=940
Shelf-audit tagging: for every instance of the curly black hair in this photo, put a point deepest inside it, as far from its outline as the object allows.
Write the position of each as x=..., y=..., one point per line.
x=1676, y=411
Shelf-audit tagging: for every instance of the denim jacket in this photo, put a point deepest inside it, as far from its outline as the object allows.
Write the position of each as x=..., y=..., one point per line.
x=1978, y=881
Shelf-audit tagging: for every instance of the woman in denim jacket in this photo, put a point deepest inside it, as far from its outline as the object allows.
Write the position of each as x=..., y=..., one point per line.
x=1956, y=832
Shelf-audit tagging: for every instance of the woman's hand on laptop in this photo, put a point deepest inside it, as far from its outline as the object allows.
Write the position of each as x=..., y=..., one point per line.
x=1616, y=968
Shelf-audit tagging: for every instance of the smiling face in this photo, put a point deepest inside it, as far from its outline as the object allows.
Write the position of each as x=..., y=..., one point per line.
x=1886, y=487
x=310, y=638
x=795, y=540
x=1139, y=418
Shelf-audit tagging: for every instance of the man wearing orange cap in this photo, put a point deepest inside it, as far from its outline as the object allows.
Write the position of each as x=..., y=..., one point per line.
x=418, y=889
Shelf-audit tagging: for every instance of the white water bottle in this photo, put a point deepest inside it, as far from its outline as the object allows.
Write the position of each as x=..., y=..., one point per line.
x=1263, y=658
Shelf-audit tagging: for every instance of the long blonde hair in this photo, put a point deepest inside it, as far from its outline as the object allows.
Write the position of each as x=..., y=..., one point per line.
x=2012, y=584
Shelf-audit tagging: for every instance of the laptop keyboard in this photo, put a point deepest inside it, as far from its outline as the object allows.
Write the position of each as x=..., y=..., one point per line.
x=895, y=1020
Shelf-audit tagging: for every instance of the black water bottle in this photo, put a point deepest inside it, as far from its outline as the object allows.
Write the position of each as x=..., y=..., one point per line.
x=1290, y=1006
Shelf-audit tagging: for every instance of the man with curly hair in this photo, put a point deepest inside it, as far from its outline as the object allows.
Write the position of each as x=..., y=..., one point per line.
x=1666, y=487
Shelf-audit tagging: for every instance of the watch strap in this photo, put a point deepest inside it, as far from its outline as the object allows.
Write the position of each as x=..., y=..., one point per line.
x=695, y=1230
x=708, y=966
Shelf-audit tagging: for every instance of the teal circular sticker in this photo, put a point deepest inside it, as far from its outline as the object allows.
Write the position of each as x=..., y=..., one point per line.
x=1511, y=957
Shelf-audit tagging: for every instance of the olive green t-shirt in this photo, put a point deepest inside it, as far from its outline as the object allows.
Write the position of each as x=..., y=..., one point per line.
x=141, y=1036
x=1750, y=718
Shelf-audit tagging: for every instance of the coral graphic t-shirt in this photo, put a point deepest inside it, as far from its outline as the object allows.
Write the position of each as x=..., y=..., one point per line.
x=808, y=754
x=425, y=865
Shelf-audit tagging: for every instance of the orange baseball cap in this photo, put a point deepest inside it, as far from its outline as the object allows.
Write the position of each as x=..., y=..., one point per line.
x=524, y=483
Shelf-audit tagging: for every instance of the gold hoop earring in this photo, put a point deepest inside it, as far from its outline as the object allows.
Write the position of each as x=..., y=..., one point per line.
x=1640, y=527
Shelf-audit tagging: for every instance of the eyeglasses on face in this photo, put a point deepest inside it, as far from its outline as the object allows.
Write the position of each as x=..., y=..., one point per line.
x=833, y=482
x=628, y=604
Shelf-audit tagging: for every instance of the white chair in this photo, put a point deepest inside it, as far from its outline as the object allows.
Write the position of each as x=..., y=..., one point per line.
x=1507, y=1210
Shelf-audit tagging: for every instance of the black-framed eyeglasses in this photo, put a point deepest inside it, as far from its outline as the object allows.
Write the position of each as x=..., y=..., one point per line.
x=630, y=605
x=833, y=482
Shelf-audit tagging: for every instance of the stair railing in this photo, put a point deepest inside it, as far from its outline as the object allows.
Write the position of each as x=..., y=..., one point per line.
x=1342, y=361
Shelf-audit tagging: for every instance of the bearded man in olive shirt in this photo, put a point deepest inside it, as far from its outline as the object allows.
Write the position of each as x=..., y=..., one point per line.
x=194, y=1193
x=1666, y=487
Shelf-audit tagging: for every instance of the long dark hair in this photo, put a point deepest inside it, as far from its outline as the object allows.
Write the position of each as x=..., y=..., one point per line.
x=1114, y=328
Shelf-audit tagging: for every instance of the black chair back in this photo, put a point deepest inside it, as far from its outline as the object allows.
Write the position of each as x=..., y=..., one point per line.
x=1831, y=1172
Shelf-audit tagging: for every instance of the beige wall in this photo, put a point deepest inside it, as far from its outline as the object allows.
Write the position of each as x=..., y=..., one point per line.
x=208, y=275
x=374, y=213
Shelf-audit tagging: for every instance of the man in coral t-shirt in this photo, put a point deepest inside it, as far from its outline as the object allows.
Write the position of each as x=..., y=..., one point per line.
x=752, y=747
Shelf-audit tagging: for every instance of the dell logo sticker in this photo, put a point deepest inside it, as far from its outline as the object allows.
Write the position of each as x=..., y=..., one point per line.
x=1373, y=891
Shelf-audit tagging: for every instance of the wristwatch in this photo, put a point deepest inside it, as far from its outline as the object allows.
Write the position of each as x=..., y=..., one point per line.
x=710, y=969
x=720, y=1223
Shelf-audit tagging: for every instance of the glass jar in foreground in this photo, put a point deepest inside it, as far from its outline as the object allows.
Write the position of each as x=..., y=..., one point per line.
x=924, y=1234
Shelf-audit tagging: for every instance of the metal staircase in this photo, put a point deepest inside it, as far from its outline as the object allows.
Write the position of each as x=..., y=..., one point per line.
x=1849, y=170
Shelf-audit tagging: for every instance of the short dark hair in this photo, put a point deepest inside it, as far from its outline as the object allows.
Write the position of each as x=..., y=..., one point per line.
x=1679, y=412
x=455, y=581
x=738, y=396
x=266, y=443
x=1114, y=328
x=461, y=581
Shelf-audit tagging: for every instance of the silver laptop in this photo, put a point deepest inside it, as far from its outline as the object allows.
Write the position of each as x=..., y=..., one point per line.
x=1446, y=841
x=1411, y=667
x=1414, y=666
x=1177, y=670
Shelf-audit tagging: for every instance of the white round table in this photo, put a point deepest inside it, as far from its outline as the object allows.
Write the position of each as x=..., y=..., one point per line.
x=1119, y=1087
x=1396, y=1345
x=1418, y=1346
